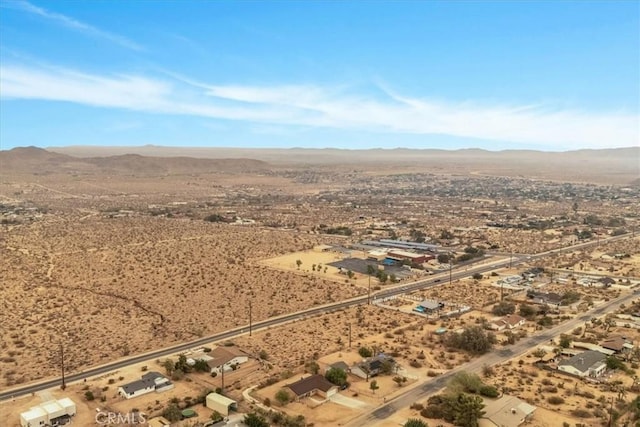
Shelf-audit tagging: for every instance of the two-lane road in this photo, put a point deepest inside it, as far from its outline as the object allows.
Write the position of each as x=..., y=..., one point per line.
x=420, y=284
x=432, y=386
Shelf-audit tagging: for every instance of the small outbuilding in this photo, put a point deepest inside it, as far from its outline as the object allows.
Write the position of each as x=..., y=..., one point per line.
x=221, y=404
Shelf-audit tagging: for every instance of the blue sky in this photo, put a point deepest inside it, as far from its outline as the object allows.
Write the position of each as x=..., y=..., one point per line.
x=548, y=75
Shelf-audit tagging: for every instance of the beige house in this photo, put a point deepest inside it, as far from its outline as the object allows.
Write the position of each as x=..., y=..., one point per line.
x=226, y=358
x=510, y=322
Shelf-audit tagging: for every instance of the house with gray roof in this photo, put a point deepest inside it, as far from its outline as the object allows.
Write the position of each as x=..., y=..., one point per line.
x=151, y=381
x=586, y=364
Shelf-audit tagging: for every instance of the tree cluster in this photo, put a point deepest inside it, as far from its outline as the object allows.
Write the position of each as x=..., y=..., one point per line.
x=472, y=339
x=503, y=308
x=461, y=409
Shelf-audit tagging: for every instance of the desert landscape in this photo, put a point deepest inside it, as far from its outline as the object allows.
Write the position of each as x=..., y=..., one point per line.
x=109, y=255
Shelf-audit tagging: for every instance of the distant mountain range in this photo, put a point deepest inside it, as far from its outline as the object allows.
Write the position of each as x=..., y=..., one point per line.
x=615, y=166
x=32, y=160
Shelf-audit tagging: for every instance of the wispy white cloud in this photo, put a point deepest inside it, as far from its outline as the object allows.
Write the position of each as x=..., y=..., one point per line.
x=310, y=106
x=70, y=23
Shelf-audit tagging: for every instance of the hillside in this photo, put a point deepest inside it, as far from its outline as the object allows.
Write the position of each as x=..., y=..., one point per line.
x=33, y=160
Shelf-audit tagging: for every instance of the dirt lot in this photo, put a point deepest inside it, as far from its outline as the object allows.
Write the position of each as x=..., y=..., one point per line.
x=123, y=283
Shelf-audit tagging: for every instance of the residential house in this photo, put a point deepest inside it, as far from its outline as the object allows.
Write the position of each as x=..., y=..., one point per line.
x=429, y=306
x=586, y=364
x=372, y=366
x=551, y=298
x=311, y=386
x=510, y=322
x=151, y=381
x=227, y=358
x=506, y=411
x=617, y=344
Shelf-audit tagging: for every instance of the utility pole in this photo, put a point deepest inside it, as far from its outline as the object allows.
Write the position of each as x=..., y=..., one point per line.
x=64, y=385
x=250, y=325
x=511, y=259
x=609, y=424
x=222, y=372
x=349, y=335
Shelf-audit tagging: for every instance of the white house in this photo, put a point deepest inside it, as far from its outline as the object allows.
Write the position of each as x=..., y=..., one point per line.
x=226, y=358
x=586, y=364
x=151, y=381
x=510, y=322
x=48, y=413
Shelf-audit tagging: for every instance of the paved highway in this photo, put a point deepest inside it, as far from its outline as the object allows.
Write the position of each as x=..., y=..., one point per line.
x=420, y=284
x=431, y=386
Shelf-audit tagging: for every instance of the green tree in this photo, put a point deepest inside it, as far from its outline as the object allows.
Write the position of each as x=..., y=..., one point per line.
x=386, y=367
x=477, y=276
x=298, y=263
x=312, y=367
x=399, y=380
x=373, y=385
x=467, y=410
x=565, y=341
x=466, y=382
x=172, y=413
x=539, y=353
x=182, y=364
x=336, y=376
x=169, y=367
x=254, y=420
x=414, y=422
x=283, y=397
x=527, y=311
x=473, y=339
x=614, y=363
x=503, y=308
x=444, y=258
x=263, y=355
x=569, y=297
x=365, y=352
x=201, y=366
x=89, y=395
x=371, y=270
